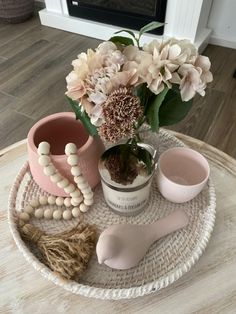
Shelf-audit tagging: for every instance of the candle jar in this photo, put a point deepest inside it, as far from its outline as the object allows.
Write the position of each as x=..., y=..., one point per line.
x=127, y=198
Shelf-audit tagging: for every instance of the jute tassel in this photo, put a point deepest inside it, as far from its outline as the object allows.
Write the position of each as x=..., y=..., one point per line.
x=66, y=253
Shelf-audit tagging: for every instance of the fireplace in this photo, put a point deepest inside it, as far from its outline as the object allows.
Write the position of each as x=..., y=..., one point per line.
x=183, y=18
x=132, y=14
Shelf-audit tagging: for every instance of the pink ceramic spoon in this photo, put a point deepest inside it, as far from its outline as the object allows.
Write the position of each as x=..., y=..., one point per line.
x=123, y=246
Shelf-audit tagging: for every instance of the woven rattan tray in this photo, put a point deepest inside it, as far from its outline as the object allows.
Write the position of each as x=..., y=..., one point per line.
x=167, y=259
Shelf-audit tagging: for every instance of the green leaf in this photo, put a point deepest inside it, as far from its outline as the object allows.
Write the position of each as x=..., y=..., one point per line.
x=150, y=27
x=122, y=40
x=153, y=110
x=144, y=93
x=82, y=116
x=146, y=158
x=126, y=31
x=115, y=150
x=173, y=108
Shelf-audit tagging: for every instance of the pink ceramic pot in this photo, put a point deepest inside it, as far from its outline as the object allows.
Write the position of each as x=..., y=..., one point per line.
x=58, y=130
x=182, y=174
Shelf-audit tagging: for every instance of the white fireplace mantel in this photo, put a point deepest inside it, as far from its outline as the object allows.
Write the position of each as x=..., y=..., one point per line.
x=184, y=19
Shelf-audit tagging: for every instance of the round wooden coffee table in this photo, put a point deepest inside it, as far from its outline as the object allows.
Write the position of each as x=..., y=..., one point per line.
x=209, y=287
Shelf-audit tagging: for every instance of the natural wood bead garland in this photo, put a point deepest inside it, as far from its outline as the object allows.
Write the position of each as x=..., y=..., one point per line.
x=81, y=195
x=83, y=192
x=82, y=185
x=37, y=208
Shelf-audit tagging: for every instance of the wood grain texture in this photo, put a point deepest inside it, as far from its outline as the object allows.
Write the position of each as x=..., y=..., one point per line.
x=209, y=287
x=7, y=102
x=2, y=59
x=9, y=32
x=13, y=125
x=34, y=61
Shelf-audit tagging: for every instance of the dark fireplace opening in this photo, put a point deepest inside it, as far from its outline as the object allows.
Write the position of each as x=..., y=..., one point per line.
x=132, y=14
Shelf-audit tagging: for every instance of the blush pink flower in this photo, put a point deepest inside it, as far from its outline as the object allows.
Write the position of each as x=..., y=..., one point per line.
x=194, y=78
x=191, y=82
x=86, y=105
x=102, y=79
x=204, y=64
x=121, y=111
x=96, y=115
x=75, y=86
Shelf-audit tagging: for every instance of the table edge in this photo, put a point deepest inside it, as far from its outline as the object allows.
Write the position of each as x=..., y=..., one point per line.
x=13, y=146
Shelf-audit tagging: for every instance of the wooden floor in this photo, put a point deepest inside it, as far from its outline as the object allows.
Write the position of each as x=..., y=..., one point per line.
x=34, y=61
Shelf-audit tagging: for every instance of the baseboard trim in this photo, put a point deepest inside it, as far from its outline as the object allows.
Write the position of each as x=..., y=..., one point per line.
x=104, y=31
x=84, y=27
x=202, y=39
x=219, y=41
x=39, y=4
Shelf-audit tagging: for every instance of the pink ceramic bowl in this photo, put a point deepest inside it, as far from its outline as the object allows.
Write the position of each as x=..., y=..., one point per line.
x=182, y=174
x=58, y=130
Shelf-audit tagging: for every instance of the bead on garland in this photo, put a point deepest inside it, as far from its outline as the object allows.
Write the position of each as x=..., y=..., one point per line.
x=82, y=184
x=83, y=192
x=81, y=195
x=51, y=213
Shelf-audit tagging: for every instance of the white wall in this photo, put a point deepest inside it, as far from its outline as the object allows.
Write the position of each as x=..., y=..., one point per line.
x=222, y=21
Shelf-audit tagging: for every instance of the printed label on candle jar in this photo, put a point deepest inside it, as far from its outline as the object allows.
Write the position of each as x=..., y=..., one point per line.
x=126, y=202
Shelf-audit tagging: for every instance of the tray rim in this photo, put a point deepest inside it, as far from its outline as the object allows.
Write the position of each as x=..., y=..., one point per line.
x=108, y=293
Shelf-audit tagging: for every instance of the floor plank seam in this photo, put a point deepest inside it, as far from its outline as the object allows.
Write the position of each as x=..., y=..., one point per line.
x=9, y=95
x=24, y=115
x=20, y=33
